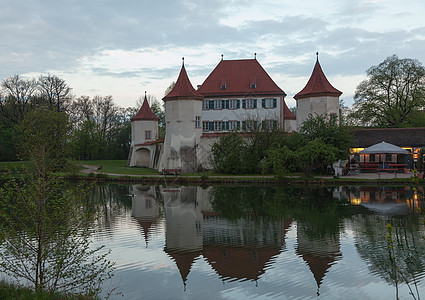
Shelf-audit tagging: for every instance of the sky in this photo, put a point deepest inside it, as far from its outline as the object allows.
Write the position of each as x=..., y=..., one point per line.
x=124, y=48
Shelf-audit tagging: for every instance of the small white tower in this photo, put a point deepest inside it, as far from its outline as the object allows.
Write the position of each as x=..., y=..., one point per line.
x=183, y=111
x=144, y=132
x=317, y=97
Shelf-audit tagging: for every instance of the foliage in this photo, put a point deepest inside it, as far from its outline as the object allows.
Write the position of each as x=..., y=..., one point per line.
x=393, y=90
x=42, y=136
x=327, y=129
x=283, y=160
x=317, y=154
x=228, y=153
x=45, y=229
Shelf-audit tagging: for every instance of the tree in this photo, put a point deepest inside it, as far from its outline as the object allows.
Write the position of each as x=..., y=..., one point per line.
x=327, y=129
x=45, y=225
x=393, y=89
x=16, y=98
x=55, y=91
x=43, y=137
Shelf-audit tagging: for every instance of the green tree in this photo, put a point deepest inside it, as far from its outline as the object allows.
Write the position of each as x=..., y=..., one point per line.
x=393, y=89
x=227, y=153
x=316, y=155
x=327, y=129
x=43, y=137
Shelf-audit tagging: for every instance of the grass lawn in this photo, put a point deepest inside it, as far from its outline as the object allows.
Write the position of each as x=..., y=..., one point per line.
x=117, y=167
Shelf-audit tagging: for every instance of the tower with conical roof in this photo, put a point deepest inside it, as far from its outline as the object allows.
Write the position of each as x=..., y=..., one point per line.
x=317, y=97
x=144, y=132
x=183, y=111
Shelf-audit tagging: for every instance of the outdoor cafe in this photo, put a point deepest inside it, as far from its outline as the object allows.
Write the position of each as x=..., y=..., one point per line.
x=382, y=157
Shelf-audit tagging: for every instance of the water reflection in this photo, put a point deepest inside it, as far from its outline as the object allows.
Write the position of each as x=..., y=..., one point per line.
x=243, y=233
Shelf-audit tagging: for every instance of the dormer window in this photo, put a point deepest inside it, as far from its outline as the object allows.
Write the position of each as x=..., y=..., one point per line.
x=252, y=82
x=223, y=86
x=223, y=83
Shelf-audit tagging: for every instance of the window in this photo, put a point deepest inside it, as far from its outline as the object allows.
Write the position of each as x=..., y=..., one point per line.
x=197, y=122
x=234, y=125
x=148, y=134
x=223, y=86
x=217, y=104
x=234, y=104
x=388, y=157
x=249, y=103
x=372, y=158
x=269, y=124
x=205, y=126
x=217, y=125
x=249, y=125
x=253, y=86
x=269, y=103
x=205, y=104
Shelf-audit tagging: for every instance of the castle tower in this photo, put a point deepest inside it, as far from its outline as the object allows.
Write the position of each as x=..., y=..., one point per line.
x=317, y=97
x=144, y=132
x=183, y=111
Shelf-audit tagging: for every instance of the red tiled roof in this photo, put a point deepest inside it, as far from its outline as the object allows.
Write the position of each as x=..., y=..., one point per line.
x=318, y=85
x=287, y=114
x=237, y=76
x=183, y=88
x=145, y=113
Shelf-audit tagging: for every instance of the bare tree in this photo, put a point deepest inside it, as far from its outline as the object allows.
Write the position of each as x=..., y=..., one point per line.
x=18, y=93
x=55, y=91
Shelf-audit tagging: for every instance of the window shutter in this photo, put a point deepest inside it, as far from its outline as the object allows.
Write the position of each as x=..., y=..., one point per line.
x=263, y=103
x=211, y=104
x=238, y=125
x=243, y=125
x=274, y=103
x=223, y=104
x=238, y=103
x=211, y=125
x=243, y=103
x=255, y=103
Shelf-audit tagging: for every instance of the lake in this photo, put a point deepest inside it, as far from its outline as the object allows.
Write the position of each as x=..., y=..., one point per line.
x=252, y=242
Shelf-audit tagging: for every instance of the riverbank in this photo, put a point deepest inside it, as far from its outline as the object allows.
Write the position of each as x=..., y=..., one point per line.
x=96, y=173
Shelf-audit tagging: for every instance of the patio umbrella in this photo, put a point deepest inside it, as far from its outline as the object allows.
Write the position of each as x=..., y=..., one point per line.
x=384, y=148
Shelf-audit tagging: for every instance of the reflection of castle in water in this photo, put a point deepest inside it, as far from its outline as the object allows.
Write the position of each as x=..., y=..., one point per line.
x=241, y=249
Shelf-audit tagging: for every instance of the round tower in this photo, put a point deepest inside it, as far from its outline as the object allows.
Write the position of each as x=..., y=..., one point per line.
x=144, y=132
x=317, y=97
x=183, y=111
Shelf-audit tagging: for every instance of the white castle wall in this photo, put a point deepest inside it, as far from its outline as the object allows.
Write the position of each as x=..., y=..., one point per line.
x=316, y=105
x=181, y=138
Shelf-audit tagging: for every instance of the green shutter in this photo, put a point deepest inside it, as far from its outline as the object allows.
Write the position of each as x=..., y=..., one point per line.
x=263, y=103
x=255, y=103
x=274, y=103
x=243, y=103
x=211, y=104
x=211, y=125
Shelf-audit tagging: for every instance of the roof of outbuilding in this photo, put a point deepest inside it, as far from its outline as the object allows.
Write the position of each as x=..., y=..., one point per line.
x=402, y=137
x=145, y=112
x=183, y=88
x=237, y=78
x=318, y=85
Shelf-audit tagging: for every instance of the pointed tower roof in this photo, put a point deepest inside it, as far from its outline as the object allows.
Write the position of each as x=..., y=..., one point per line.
x=183, y=88
x=318, y=85
x=145, y=112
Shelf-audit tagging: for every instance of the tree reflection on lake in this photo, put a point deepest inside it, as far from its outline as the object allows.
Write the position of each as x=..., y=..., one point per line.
x=274, y=242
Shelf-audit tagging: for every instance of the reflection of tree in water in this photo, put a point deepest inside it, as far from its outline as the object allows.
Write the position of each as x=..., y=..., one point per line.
x=113, y=200
x=409, y=246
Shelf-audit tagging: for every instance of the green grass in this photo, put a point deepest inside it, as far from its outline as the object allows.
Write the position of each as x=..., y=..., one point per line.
x=11, y=291
x=117, y=167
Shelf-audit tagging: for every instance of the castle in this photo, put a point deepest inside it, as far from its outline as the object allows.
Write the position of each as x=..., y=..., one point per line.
x=237, y=95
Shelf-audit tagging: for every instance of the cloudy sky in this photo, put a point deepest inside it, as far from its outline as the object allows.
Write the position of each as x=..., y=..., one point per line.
x=123, y=48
